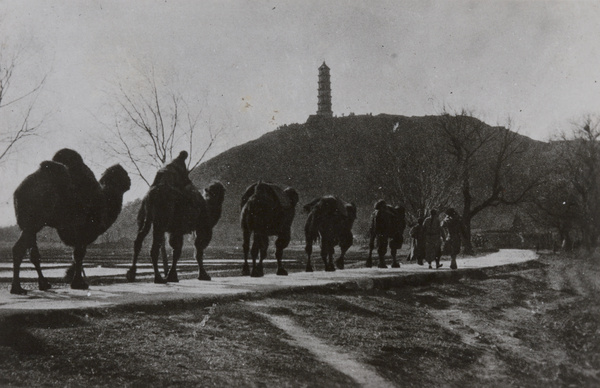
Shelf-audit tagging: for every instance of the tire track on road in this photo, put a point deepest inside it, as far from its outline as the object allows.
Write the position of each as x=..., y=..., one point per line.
x=363, y=374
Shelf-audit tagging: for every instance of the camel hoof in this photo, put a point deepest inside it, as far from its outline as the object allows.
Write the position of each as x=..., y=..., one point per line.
x=282, y=272
x=79, y=285
x=159, y=280
x=172, y=278
x=329, y=268
x=369, y=263
x=70, y=274
x=453, y=266
x=339, y=264
x=382, y=265
x=257, y=273
x=309, y=268
x=439, y=266
x=131, y=275
x=246, y=270
x=18, y=290
x=203, y=275
x=44, y=285
x=396, y=265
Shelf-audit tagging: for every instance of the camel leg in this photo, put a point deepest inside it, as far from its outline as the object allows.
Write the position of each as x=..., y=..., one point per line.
x=35, y=259
x=264, y=245
x=137, y=247
x=382, y=243
x=78, y=254
x=453, y=262
x=165, y=257
x=327, y=250
x=201, y=242
x=281, y=243
x=254, y=253
x=309, y=236
x=176, y=242
x=308, y=249
x=19, y=250
x=394, y=250
x=246, y=249
x=261, y=242
x=345, y=244
x=330, y=253
x=158, y=239
x=371, y=247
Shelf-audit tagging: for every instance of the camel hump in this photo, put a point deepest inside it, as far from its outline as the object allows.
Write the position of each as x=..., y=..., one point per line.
x=68, y=157
x=350, y=211
x=280, y=195
x=54, y=168
x=85, y=187
x=380, y=204
x=337, y=205
x=285, y=197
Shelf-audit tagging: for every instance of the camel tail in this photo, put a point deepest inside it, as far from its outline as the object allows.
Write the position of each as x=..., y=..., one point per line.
x=142, y=215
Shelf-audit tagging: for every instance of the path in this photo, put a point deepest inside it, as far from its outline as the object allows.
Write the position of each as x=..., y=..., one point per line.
x=236, y=287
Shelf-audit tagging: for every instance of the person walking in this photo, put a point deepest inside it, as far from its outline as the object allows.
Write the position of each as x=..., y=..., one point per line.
x=453, y=231
x=432, y=232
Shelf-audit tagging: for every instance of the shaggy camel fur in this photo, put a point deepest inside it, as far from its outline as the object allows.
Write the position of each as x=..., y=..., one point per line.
x=331, y=220
x=266, y=210
x=387, y=223
x=64, y=194
x=166, y=209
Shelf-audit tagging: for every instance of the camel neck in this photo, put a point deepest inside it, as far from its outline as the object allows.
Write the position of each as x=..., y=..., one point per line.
x=214, y=208
x=114, y=203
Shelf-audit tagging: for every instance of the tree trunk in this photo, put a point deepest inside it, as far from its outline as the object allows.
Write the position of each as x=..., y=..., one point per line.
x=467, y=201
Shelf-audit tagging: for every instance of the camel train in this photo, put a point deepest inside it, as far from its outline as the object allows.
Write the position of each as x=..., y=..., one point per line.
x=65, y=195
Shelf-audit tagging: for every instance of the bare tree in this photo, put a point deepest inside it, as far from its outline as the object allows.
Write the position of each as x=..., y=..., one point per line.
x=555, y=206
x=17, y=105
x=153, y=125
x=579, y=166
x=411, y=168
x=488, y=164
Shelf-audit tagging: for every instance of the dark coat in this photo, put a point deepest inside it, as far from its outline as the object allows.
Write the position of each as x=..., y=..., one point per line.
x=453, y=231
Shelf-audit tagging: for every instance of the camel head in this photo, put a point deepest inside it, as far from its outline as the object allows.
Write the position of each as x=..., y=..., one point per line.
x=117, y=178
x=215, y=192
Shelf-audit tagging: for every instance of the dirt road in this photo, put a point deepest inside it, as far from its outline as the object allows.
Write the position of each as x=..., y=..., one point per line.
x=530, y=326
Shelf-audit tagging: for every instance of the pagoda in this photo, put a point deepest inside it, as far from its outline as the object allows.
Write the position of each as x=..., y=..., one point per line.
x=324, y=103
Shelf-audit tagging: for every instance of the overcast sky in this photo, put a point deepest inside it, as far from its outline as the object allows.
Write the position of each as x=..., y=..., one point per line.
x=253, y=65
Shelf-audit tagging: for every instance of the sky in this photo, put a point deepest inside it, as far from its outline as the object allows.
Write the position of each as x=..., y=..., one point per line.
x=252, y=65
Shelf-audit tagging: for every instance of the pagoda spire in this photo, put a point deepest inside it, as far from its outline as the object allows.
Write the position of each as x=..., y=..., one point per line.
x=324, y=102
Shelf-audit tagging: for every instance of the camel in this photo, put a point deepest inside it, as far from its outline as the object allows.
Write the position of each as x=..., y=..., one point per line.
x=387, y=223
x=266, y=210
x=166, y=209
x=64, y=194
x=331, y=220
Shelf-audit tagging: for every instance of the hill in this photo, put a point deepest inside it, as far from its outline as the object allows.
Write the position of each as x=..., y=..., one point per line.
x=343, y=156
